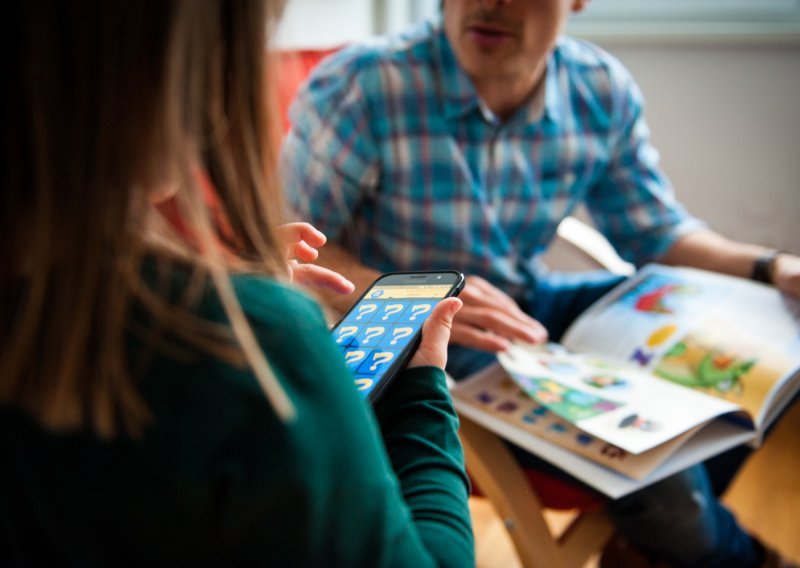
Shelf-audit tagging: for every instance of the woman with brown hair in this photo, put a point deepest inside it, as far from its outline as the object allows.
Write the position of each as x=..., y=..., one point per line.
x=166, y=395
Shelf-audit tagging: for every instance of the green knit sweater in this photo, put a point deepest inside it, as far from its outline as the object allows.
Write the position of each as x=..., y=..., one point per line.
x=219, y=480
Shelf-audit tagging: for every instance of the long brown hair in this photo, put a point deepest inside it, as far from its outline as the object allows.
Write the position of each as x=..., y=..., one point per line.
x=110, y=101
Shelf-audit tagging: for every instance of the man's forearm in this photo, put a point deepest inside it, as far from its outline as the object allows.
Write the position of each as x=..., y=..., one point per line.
x=711, y=251
x=338, y=259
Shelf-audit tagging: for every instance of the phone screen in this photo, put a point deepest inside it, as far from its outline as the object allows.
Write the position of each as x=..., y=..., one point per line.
x=382, y=329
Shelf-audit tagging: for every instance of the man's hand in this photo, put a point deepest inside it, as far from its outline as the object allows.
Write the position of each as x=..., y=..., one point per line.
x=301, y=241
x=786, y=274
x=490, y=319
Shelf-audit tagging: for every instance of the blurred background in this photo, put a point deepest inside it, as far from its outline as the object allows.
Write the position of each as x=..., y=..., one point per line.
x=721, y=79
x=722, y=83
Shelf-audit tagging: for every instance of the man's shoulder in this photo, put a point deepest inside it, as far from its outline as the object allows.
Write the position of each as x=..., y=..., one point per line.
x=585, y=58
x=369, y=62
x=595, y=77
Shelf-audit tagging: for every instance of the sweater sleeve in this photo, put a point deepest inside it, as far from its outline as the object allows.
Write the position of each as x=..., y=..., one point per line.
x=419, y=427
x=358, y=498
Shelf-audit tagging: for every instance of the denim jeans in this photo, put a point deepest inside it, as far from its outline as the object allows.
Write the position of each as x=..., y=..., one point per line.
x=679, y=519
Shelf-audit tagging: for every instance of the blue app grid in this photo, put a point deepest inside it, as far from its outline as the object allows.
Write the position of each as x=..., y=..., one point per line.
x=376, y=332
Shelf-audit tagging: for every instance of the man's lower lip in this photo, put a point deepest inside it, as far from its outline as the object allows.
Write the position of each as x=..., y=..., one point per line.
x=488, y=40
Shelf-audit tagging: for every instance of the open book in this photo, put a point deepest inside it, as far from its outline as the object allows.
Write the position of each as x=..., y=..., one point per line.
x=670, y=368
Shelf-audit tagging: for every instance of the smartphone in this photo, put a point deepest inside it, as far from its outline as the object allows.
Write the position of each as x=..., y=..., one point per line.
x=382, y=330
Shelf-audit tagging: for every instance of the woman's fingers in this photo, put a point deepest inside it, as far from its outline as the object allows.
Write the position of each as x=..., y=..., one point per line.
x=293, y=232
x=320, y=277
x=302, y=251
x=300, y=241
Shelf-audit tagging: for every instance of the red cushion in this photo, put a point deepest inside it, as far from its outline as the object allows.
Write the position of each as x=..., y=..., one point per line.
x=555, y=493
x=293, y=69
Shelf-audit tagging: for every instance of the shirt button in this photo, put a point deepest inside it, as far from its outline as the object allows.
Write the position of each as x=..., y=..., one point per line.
x=568, y=179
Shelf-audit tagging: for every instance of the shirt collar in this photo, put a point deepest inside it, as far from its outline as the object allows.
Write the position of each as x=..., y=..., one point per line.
x=459, y=96
x=553, y=108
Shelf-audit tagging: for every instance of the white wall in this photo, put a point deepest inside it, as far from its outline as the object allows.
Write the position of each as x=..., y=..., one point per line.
x=324, y=23
x=726, y=119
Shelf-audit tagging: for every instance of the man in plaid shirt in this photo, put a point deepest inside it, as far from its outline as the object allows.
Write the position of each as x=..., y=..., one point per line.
x=463, y=144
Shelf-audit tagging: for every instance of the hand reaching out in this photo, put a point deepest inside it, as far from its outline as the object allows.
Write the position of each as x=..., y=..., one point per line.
x=490, y=319
x=301, y=241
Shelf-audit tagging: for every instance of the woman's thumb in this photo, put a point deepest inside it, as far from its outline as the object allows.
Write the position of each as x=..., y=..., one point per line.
x=436, y=334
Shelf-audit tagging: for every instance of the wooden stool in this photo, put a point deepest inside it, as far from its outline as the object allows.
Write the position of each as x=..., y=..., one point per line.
x=504, y=483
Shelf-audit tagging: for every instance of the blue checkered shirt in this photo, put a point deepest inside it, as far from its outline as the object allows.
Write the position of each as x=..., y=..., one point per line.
x=392, y=152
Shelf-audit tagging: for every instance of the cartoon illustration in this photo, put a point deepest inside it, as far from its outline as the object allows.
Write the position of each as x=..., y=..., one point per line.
x=570, y=404
x=636, y=422
x=558, y=365
x=485, y=397
x=606, y=381
x=661, y=335
x=507, y=406
x=690, y=364
x=654, y=294
x=655, y=301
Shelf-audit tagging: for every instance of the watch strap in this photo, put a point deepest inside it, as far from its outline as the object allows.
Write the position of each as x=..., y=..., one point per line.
x=763, y=265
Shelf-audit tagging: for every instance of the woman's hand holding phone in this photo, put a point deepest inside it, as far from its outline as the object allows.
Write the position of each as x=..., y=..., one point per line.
x=436, y=335
x=301, y=241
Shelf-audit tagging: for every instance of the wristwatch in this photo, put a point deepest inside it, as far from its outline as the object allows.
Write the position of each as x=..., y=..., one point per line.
x=763, y=266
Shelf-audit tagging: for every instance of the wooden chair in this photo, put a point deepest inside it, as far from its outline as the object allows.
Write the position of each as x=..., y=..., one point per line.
x=519, y=502
x=500, y=479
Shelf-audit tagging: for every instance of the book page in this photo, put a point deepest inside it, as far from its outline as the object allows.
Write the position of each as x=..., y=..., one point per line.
x=493, y=400
x=727, y=337
x=620, y=404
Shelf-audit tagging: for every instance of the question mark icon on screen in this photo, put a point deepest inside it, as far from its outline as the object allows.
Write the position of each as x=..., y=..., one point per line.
x=363, y=383
x=401, y=333
x=418, y=310
x=380, y=359
x=372, y=332
x=366, y=309
x=391, y=309
x=352, y=357
x=346, y=332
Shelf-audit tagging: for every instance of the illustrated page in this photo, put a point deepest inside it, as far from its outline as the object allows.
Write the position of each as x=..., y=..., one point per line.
x=499, y=396
x=726, y=337
x=618, y=403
